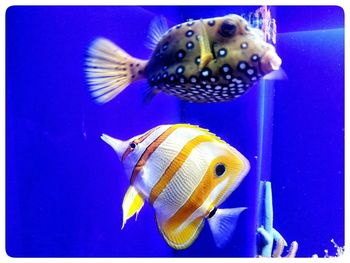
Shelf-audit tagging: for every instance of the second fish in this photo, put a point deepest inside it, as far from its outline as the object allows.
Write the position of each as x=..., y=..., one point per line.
x=207, y=60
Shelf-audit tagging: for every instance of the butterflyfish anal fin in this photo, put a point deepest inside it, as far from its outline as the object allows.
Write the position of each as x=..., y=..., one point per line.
x=132, y=204
x=204, y=45
x=181, y=238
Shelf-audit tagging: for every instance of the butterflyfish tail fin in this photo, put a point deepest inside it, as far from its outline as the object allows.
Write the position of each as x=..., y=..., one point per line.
x=132, y=204
x=223, y=224
x=109, y=70
x=181, y=237
x=157, y=29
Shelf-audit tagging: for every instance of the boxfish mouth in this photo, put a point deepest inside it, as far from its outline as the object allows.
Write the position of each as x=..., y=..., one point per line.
x=270, y=61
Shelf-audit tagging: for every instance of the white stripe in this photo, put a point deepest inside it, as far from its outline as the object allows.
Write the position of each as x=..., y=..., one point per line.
x=202, y=210
x=186, y=179
x=162, y=157
x=132, y=159
x=240, y=176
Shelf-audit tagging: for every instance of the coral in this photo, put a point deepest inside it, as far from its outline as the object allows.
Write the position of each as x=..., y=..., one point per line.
x=339, y=249
x=266, y=231
x=262, y=19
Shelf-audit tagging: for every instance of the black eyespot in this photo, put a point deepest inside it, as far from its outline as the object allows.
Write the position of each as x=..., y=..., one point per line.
x=180, y=54
x=244, y=45
x=220, y=169
x=255, y=58
x=228, y=28
x=197, y=60
x=189, y=45
x=172, y=78
x=211, y=22
x=225, y=69
x=222, y=52
x=193, y=79
x=132, y=145
x=189, y=33
x=165, y=46
x=205, y=73
x=190, y=23
x=180, y=70
x=165, y=75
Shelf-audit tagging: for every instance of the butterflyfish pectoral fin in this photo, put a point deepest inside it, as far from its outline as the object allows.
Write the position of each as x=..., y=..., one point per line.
x=132, y=204
x=204, y=45
x=181, y=237
x=223, y=223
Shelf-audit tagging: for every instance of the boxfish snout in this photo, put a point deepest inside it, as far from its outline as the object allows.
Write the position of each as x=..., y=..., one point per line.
x=270, y=61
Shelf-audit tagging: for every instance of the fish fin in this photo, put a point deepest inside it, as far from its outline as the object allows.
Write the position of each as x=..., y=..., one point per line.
x=182, y=237
x=132, y=204
x=149, y=93
x=204, y=45
x=109, y=70
x=279, y=74
x=223, y=224
x=157, y=29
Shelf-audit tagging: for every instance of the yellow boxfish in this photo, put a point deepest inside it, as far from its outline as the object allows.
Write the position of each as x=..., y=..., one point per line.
x=206, y=60
x=185, y=173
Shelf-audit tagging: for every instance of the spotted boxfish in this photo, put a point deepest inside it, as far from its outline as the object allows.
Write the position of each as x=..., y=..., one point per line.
x=184, y=172
x=206, y=60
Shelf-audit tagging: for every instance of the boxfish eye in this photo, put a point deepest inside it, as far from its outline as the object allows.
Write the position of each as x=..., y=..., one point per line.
x=220, y=169
x=132, y=145
x=228, y=28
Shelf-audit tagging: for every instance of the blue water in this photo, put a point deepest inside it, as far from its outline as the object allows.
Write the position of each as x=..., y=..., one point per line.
x=64, y=186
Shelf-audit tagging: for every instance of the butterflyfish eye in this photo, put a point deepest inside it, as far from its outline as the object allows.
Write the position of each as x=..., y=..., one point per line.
x=228, y=28
x=220, y=169
x=132, y=145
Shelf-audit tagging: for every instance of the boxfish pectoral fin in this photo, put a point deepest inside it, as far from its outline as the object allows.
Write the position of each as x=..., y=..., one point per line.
x=181, y=237
x=148, y=94
x=204, y=45
x=223, y=224
x=132, y=204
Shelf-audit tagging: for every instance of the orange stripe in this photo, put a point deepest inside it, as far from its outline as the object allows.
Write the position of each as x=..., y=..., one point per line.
x=139, y=140
x=149, y=150
x=205, y=187
x=175, y=165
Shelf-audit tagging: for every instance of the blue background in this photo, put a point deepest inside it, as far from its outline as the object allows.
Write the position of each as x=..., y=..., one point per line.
x=64, y=186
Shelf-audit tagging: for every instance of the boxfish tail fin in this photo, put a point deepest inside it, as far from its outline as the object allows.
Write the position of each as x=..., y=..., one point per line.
x=109, y=70
x=223, y=224
x=181, y=237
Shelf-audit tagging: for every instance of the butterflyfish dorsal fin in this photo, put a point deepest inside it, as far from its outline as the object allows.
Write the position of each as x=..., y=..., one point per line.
x=132, y=204
x=181, y=237
x=157, y=29
x=204, y=45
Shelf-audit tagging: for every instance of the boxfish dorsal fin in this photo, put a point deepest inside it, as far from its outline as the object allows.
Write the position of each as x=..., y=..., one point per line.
x=181, y=237
x=132, y=204
x=157, y=29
